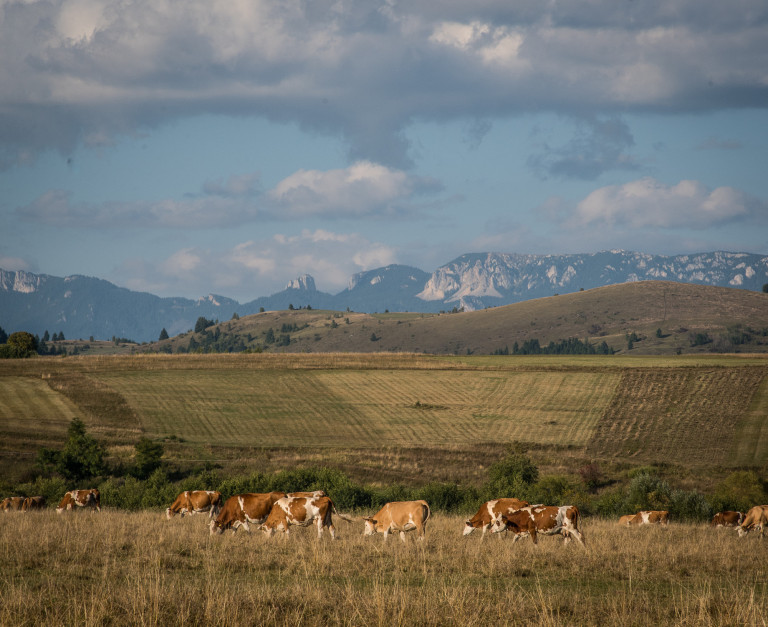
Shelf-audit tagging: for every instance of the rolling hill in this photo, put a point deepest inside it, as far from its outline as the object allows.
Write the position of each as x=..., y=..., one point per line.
x=660, y=317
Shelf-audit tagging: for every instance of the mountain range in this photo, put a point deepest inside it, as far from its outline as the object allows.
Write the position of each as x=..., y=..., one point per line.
x=81, y=307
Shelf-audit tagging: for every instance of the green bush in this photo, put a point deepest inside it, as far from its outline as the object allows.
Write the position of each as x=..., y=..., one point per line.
x=739, y=491
x=689, y=506
x=513, y=476
x=647, y=491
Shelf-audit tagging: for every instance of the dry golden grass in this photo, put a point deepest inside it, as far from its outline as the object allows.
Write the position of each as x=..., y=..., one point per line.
x=119, y=568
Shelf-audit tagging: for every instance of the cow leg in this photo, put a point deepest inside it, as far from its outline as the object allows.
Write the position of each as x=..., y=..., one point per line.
x=386, y=534
x=402, y=536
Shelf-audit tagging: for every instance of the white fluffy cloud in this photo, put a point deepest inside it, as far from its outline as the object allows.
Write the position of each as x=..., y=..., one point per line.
x=648, y=203
x=362, y=190
x=81, y=71
x=259, y=267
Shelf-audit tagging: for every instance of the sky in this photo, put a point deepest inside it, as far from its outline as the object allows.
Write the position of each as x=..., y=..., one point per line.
x=228, y=146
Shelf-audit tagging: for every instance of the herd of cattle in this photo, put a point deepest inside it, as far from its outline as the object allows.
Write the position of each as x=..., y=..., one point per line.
x=278, y=511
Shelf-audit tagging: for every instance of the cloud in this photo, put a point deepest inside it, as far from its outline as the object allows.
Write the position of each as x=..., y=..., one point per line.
x=362, y=190
x=598, y=146
x=258, y=267
x=14, y=263
x=648, y=203
x=715, y=143
x=85, y=72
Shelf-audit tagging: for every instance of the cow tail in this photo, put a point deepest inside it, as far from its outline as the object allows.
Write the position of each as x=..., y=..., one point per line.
x=344, y=517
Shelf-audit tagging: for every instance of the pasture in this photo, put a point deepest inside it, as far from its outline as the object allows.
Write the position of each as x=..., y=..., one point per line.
x=118, y=568
x=434, y=418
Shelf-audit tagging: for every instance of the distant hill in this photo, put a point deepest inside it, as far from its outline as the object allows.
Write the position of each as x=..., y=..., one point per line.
x=647, y=317
x=82, y=307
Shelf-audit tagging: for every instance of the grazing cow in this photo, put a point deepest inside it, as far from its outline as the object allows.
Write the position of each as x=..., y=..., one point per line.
x=399, y=516
x=80, y=498
x=12, y=504
x=550, y=520
x=195, y=502
x=33, y=502
x=241, y=509
x=755, y=520
x=521, y=523
x=490, y=512
x=303, y=511
x=651, y=517
x=727, y=519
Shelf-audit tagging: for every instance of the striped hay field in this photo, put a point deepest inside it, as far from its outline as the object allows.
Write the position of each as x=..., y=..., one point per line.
x=356, y=408
x=701, y=410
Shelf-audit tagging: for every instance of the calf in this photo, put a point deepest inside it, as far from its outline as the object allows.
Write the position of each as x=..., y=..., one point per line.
x=549, y=520
x=33, y=502
x=195, y=502
x=521, y=523
x=80, y=498
x=241, y=509
x=12, y=504
x=399, y=516
x=489, y=513
x=302, y=511
x=650, y=517
x=727, y=519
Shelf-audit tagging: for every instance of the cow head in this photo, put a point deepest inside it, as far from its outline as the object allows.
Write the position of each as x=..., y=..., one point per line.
x=169, y=513
x=370, y=526
x=468, y=528
x=215, y=527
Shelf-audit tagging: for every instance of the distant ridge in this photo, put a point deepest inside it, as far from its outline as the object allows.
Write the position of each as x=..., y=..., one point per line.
x=82, y=306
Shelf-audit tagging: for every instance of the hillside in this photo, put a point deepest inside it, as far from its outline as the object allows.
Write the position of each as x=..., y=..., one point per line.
x=397, y=417
x=86, y=307
x=666, y=318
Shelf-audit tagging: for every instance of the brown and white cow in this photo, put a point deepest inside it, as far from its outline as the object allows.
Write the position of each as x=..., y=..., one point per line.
x=399, y=516
x=241, y=510
x=33, y=502
x=727, y=519
x=521, y=523
x=195, y=502
x=12, y=504
x=625, y=519
x=650, y=517
x=302, y=511
x=755, y=520
x=550, y=520
x=490, y=512
x=80, y=498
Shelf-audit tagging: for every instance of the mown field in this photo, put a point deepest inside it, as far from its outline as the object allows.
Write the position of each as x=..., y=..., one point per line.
x=118, y=568
x=261, y=411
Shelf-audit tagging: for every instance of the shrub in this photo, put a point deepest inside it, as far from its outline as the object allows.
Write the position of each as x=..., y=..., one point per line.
x=511, y=477
x=739, y=491
x=689, y=506
x=647, y=491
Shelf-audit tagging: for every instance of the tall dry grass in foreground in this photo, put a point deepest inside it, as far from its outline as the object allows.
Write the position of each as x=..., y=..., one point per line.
x=119, y=568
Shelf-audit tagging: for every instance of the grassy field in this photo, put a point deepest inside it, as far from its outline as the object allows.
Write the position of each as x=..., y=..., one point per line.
x=264, y=410
x=119, y=568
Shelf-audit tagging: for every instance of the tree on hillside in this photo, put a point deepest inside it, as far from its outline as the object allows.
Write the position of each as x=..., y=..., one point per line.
x=148, y=457
x=163, y=335
x=3, y=336
x=202, y=324
x=81, y=458
x=20, y=344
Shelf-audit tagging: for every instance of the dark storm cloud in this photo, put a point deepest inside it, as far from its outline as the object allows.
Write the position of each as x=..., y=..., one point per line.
x=83, y=71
